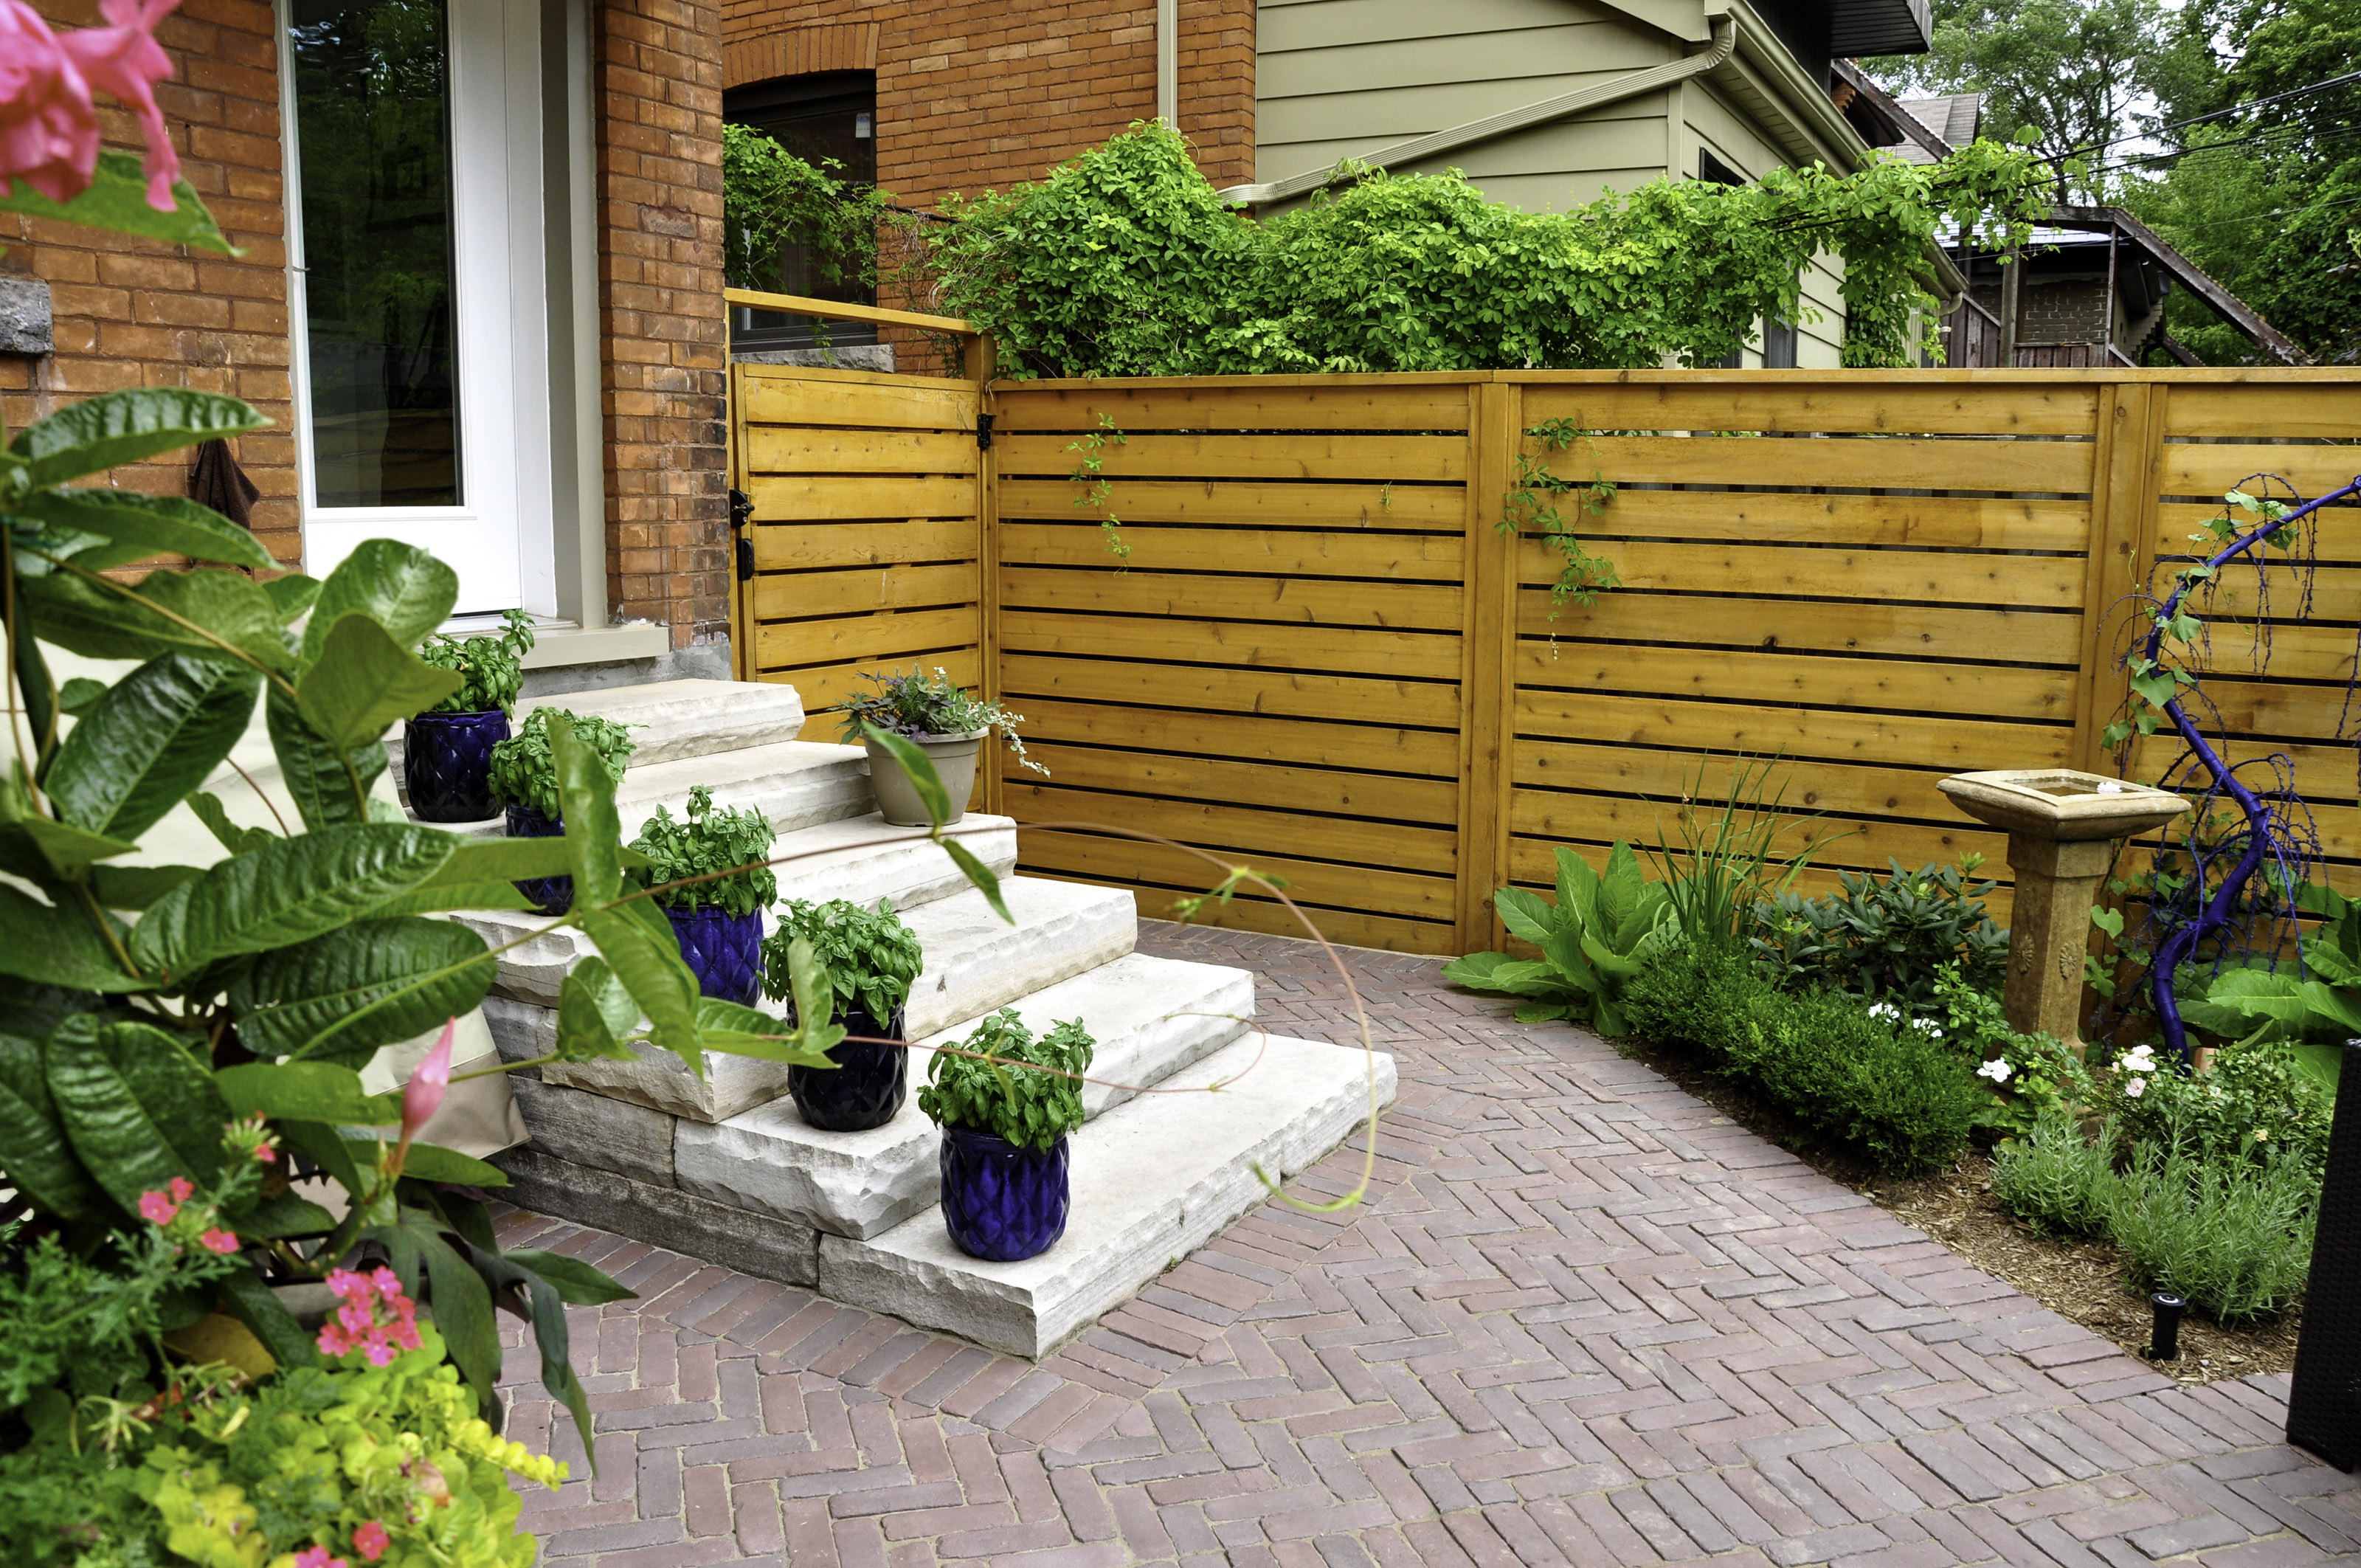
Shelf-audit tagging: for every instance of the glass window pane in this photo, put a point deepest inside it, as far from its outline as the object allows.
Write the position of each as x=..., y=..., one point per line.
x=373, y=126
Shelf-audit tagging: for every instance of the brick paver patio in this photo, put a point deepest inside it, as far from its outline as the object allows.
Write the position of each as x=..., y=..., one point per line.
x=1583, y=1319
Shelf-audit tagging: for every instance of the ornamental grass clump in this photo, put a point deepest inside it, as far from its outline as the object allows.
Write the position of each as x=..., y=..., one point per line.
x=683, y=857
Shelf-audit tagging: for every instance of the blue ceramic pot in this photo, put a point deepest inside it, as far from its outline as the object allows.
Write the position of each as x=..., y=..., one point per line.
x=445, y=758
x=865, y=1089
x=550, y=894
x=1001, y=1202
x=724, y=952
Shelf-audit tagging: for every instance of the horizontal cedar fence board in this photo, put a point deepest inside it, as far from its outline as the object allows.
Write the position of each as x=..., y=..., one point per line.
x=806, y=549
x=1898, y=461
x=1401, y=557
x=824, y=687
x=808, y=593
x=1958, y=745
x=1253, y=829
x=824, y=497
x=1403, y=896
x=1253, y=406
x=2192, y=469
x=2340, y=539
x=2045, y=582
x=1309, y=743
x=1421, y=802
x=1285, y=602
x=1276, y=694
x=1870, y=844
x=1535, y=866
x=1941, y=522
x=1208, y=503
x=1314, y=455
x=2323, y=771
x=2283, y=412
x=1408, y=655
x=2296, y=651
x=1887, y=410
x=1901, y=686
x=852, y=400
x=867, y=637
x=1821, y=626
x=1841, y=789
x=796, y=450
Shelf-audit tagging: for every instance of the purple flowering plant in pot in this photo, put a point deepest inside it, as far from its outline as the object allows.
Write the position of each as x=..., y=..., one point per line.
x=446, y=755
x=1006, y=1102
x=712, y=886
x=871, y=959
x=524, y=778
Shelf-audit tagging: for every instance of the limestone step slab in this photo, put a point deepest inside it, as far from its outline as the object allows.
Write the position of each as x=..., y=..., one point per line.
x=662, y=1216
x=1152, y=1017
x=976, y=961
x=795, y=784
x=861, y=858
x=1152, y=1180
x=674, y=719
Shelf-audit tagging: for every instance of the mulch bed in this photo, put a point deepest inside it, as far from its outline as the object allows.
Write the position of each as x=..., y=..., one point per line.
x=2082, y=1280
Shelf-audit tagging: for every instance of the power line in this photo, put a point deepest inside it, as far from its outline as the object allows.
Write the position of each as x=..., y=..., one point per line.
x=2275, y=134
x=2350, y=76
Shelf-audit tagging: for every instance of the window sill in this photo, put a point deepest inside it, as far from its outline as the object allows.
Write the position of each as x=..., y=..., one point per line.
x=558, y=646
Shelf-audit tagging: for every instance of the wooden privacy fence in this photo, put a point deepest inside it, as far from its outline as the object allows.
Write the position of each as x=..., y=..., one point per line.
x=1323, y=658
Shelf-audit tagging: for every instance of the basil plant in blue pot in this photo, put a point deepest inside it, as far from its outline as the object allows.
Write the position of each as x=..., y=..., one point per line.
x=446, y=754
x=871, y=959
x=716, y=908
x=524, y=778
x=1004, y=1187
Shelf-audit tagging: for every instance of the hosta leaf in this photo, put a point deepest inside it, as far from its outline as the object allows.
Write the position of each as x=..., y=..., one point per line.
x=137, y=1104
x=359, y=987
x=37, y=1158
x=138, y=526
x=364, y=681
x=286, y=892
x=155, y=736
x=115, y=428
x=405, y=590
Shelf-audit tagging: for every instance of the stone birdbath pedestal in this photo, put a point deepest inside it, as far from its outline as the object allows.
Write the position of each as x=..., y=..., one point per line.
x=2061, y=827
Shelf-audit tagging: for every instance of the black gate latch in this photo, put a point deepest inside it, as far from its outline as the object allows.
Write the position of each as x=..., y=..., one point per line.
x=983, y=433
x=742, y=508
x=742, y=512
x=745, y=558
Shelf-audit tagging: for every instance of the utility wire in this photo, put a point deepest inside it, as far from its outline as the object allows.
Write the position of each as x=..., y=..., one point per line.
x=2349, y=77
x=2276, y=134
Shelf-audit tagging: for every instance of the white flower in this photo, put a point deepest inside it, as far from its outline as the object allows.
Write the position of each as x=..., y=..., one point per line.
x=2135, y=1088
x=2142, y=1059
x=1927, y=1026
x=1997, y=1070
x=2111, y=787
x=1884, y=1010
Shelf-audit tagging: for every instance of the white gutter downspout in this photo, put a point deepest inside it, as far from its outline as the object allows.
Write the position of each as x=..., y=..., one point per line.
x=1725, y=39
x=1168, y=63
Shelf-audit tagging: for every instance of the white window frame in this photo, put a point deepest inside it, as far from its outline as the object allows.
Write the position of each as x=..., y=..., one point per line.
x=500, y=538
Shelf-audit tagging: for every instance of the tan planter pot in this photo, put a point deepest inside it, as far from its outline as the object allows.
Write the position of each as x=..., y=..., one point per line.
x=954, y=758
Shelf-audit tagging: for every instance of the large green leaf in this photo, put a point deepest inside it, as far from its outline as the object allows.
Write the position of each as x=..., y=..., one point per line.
x=482, y=874
x=640, y=945
x=986, y=879
x=400, y=586
x=284, y=1215
x=2335, y=1004
x=1578, y=888
x=1500, y=972
x=304, y=1090
x=137, y=526
x=36, y=1157
x=136, y=887
x=288, y=891
x=594, y=833
x=1618, y=889
x=328, y=1148
x=116, y=199
x=364, y=681
x=1527, y=914
x=41, y=699
x=237, y=839
x=733, y=1030
x=433, y=1162
x=112, y=622
x=579, y=1284
x=291, y=593
x=272, y=1323
x=40, y=847
x=363, y=985
x=58, y=946
x=157, y=735
x=594, y=1013
x=330, y=787
x=137, y=1106
x=115, y=428
x=549, y=1293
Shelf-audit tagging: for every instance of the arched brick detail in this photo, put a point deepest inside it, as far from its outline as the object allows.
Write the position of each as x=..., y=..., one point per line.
x=794, y=51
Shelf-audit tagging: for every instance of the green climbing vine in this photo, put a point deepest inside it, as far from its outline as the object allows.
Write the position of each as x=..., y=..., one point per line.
x=1533, y=507
x=1089, y=477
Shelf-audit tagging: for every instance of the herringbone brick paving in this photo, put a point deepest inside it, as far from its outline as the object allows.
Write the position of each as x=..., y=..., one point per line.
x=1582, y=1319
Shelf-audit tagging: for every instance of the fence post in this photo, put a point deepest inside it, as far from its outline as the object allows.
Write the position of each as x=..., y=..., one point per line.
x=979, y=358
x=1487, y=681
x=2127, y=454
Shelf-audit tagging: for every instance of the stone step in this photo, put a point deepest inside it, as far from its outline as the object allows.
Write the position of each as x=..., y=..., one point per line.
x=1152, y=1180
x=1151, y=1018
x=795, y=784
x=862, y=858
x=976, y=961
x=672, y=720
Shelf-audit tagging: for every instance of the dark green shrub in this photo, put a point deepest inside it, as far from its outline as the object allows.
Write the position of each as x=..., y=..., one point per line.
x=2056, y=1181
x=1886, y=936
x=1889, y=1093
x=2257, y=1101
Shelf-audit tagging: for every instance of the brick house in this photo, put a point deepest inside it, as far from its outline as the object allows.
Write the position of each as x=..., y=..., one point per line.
x=492, y=326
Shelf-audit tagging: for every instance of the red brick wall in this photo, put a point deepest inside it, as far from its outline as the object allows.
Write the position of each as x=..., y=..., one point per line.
x=659, y=115
x=987, y=93
x=134, y=312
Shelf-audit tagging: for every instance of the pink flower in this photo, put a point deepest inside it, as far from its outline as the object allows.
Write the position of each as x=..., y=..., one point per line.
x=49, y=131
x=317, y=1557
x=424, y=1094
x=266, y=1154
x=156, y=1209
x=357, y=1326
x=370, y=1540
x=124, y=59
x=215, y=1239
x=182, y=1188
